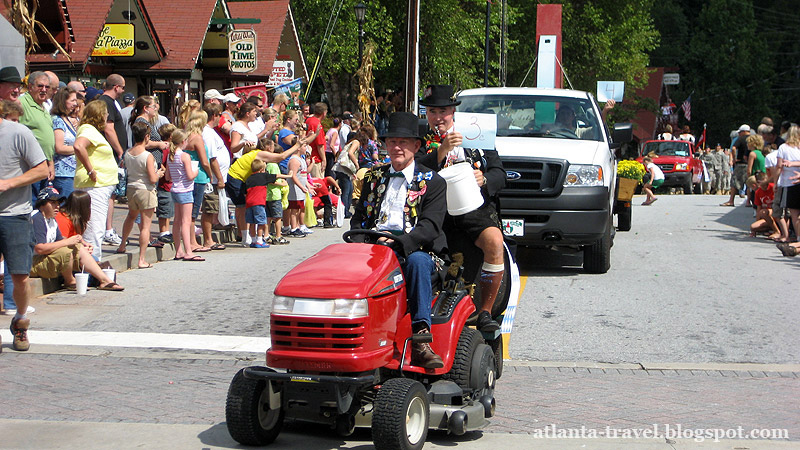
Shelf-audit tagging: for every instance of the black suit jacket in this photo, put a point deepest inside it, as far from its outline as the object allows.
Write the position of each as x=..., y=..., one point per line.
x=423, y=214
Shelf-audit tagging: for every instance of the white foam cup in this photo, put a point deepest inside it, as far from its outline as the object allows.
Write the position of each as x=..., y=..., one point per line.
x=111, y=274
x=463, y=193
x=82, y=282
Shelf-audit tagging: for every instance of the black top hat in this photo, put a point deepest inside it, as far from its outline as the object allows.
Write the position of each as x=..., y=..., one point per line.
x=10, y=74
x=403, y=125
x=440, y=95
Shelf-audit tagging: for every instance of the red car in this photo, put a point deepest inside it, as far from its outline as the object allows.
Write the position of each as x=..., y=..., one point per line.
x=678, y=162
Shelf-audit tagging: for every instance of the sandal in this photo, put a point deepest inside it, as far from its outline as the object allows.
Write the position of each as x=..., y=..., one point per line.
x=194, y=258
x=112, y=286
x=120, y=252
x=201, y=249
x=71, y=287
x=726, y=204
x=155, y=243
x=217, y=246
x=148, y=266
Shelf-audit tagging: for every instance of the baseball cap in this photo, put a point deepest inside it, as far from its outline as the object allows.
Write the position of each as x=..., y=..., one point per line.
x=232, y=98
x=213, y=94
x=347, y=116
x=46, y=194
x=128, y=98
x=10, y=74
x=744, y=128
x=92, y=92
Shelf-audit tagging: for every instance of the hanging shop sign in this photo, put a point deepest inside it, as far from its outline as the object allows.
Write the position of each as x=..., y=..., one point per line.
x=282, y=73
x=116, y=39
x=242, y=51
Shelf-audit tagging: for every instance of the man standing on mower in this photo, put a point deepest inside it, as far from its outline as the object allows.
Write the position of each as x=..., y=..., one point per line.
x=409, y=201
x=481, y=226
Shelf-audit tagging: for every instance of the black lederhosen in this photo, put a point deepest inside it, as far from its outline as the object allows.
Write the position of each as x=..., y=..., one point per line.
x=474, y=222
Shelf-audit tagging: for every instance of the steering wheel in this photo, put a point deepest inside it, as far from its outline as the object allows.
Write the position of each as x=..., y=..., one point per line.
x=371, y=236
x=563, y=132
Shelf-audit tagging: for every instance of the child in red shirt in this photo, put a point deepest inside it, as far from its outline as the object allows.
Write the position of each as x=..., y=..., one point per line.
x=763, y=203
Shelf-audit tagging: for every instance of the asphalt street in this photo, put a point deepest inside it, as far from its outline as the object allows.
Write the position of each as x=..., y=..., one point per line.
x=686, y=284
x=694, y=324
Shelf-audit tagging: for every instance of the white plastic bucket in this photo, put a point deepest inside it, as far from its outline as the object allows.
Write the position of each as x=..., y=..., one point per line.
x=463, y=193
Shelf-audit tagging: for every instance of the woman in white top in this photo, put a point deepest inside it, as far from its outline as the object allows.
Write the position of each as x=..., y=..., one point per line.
x=656, y=180
x=243, y=139
x=789, y=167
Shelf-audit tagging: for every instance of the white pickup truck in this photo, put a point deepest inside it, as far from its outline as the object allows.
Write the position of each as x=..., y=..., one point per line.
x=561, y=168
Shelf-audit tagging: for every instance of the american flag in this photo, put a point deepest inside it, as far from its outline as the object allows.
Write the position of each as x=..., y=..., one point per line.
x=686, y=106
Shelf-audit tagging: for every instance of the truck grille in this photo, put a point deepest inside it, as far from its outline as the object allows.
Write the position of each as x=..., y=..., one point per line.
x=666, y=167
x=535, y=177
x=290, y=333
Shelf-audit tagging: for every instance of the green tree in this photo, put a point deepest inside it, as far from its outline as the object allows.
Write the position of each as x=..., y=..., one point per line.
x=725, y=70
x=339, y=62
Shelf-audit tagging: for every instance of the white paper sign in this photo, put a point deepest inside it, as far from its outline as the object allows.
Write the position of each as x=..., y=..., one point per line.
x=610, y=90
x=478, y=130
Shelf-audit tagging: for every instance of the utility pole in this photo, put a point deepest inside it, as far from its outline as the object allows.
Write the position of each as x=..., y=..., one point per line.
x=412, y=57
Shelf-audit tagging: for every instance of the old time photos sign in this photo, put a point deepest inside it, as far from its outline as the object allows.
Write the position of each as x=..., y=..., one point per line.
x=242, y=51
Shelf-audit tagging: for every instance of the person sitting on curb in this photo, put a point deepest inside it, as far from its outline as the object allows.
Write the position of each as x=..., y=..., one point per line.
x=54, y=255
x=656, y=180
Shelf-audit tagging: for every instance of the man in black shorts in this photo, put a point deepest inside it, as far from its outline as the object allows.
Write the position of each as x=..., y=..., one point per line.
x=482, y=226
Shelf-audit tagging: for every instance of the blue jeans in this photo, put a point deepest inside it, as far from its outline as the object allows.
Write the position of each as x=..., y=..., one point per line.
x=347, y=191
x=64, y=185
x=417, y=271
x=8, y=291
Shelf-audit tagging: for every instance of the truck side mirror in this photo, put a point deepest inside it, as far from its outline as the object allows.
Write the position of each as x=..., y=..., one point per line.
x=623, y=133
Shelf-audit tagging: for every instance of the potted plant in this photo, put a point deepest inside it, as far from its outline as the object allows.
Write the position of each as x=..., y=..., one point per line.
x=630, y=174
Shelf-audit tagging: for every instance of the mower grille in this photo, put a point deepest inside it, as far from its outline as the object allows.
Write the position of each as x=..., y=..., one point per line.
x=316, y=334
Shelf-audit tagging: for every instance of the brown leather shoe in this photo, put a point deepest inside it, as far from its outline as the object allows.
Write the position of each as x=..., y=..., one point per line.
x=19, y=328
x=422, y=355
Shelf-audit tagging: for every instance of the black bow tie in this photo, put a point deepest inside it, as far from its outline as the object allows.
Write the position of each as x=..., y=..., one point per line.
x=394, y=174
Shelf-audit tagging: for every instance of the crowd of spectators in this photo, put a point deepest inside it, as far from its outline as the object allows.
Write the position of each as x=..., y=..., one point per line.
x=83, y=149
x=762, y=165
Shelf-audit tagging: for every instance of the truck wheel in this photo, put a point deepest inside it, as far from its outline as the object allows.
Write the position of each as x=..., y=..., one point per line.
x=247, y=410
x=497, y=348
x=624, y=217
x=400, y=416
x=597, y=257
x=468, y=343
x=687, y=187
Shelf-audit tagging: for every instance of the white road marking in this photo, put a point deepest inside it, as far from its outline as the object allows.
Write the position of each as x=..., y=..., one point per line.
x=145, y=340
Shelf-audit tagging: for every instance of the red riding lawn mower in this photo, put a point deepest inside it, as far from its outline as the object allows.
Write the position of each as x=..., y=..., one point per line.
x=341, y=336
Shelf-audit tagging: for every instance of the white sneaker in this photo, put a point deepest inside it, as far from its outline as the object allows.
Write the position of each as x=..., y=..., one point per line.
x=305, y=229
x=11, y=312
x=112, y=238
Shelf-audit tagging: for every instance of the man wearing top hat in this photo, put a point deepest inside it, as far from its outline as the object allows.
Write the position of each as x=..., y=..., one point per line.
x=408, y=200
x=482, y=226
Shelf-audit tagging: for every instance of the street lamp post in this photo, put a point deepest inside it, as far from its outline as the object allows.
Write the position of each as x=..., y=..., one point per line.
x=361, y=10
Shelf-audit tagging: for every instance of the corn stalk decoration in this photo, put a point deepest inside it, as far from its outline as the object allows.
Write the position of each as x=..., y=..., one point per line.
x=24, y=20
x=366, y=89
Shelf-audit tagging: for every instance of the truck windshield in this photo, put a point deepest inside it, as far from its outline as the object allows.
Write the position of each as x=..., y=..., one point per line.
x=667, y=148
x=537, y=116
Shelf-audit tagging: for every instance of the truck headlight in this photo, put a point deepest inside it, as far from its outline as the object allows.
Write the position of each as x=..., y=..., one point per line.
x=338, y=307
x=584, y=175
x=682, y=166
